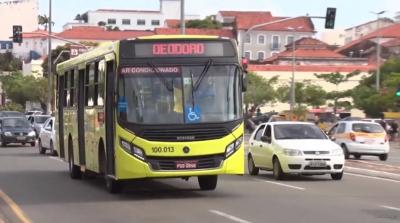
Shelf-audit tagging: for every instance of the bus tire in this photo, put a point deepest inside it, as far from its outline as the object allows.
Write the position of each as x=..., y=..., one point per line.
x=74, y=170
x=113, y=186
x=208, y=182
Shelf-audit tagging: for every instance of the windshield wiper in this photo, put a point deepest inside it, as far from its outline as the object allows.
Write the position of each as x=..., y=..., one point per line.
x=160, y=76
x=203, y=74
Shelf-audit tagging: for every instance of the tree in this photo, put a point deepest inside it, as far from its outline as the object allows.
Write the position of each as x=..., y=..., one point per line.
x=207, y=23
x=9, y=63
x=305, y=93
x=43, y=20
x=337, y=79
x=54, y=55
x=259, y=91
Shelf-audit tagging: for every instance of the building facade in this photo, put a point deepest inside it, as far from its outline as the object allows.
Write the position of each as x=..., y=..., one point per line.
x=268, y=40
x=132, y=19
x=356, y=32
x=18, y=12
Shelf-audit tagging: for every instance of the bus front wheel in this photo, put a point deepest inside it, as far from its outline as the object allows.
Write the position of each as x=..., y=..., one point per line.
x=113, y=186
x=208, y=182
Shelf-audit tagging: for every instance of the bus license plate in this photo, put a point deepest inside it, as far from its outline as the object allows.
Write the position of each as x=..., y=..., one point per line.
x=182, y=165
x=317, y=163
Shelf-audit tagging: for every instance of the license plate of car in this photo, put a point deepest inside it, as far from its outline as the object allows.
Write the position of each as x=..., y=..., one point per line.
x=317, y=163
x=182, y=165
x=21, y=137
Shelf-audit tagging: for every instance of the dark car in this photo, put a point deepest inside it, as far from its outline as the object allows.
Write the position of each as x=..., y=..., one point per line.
x=16, y=130
x=11, y=114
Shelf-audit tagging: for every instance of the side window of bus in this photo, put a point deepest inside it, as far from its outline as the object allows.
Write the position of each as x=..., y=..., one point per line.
x=100, y=83
x=72, y=91
x=89, y=78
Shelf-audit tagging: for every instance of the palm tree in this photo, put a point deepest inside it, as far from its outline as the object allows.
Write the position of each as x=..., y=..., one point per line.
x=44, y=21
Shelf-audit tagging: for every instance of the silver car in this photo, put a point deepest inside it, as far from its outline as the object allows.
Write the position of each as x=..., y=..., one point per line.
x=37, y=122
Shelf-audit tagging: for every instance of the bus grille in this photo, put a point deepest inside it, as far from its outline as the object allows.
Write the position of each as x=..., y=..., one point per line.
x=181, y=135
x=204, y=162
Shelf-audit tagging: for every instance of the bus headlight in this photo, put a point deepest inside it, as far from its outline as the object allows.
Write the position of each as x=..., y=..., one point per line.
x=133, y=149
x=233, y=147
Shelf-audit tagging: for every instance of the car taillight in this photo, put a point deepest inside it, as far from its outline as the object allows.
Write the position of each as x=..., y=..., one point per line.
x=352, y=137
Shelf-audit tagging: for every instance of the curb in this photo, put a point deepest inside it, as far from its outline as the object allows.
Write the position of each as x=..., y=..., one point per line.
x=373, y=173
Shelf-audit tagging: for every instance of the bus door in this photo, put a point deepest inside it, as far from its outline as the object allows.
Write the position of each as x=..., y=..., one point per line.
x=110, y=122
x=61, y=114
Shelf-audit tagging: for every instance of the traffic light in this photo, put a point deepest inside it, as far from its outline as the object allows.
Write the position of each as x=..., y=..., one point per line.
x=330, y=18
x=17, y=34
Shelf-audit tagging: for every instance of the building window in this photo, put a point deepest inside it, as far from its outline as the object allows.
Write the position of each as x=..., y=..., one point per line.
x=247, y=38
x=126, y=22
x=261, y=55
x=247, y=55
x=289, y=39
x=155, y=22
x=261, y=39
x=275, y=45
x=141, y=22
x=112, y=21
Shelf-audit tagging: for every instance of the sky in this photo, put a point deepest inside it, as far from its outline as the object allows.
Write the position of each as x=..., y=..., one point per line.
x=349, y=12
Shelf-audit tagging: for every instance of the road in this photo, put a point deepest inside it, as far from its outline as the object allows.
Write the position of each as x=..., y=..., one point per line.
x=44, y=193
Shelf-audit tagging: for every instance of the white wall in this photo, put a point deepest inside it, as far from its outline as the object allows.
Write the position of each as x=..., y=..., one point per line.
x=39, y=45
x=171, y=9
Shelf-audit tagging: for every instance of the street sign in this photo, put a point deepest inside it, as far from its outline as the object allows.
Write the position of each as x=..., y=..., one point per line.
x=330, y=18
x=17, y=34
x=76, y=50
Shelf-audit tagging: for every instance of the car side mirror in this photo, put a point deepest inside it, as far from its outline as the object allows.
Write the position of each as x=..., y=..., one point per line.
x=266, y=139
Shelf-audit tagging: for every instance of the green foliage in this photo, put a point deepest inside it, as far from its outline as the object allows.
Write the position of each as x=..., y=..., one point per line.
x=305, y=93
x=373, y=103
x=21, y=89
x=259, y=90
x=12, y=107
x=207, y=23
x=9, y=63
x=54, y=55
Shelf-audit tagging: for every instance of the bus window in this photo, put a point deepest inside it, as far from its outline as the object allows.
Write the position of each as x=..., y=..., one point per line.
x=72, y=88
x=89, y=89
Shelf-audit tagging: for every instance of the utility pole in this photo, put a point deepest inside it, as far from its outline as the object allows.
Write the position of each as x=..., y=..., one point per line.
x=378, y=50
x=49, y=65
x=183, y=25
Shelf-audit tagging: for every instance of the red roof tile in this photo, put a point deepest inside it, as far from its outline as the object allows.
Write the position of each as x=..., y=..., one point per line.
x=392, y=31
x=311, y=68
x=99, y=33
x=192, y=31
x=36, y=34
x=392, y=43
x=247, y=19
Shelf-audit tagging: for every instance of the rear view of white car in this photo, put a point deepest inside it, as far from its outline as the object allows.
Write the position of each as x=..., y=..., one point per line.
x=294, y=148
x=47, y=137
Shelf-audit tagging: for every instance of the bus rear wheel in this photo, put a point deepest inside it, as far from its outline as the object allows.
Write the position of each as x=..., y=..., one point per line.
x=208, y=182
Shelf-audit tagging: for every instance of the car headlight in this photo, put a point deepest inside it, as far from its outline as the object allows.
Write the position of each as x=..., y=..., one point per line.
x=337, y=152
x=292, y=152
x=133, y=149
x=233, y=146
x=32, y=133
x=7, y=133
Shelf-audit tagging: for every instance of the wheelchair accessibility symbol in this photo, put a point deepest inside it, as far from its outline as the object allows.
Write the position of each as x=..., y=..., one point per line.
x=193, y=114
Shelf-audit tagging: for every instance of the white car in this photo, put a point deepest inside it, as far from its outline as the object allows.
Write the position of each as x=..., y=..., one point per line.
x=359, y=138
x=294, y=148
x=47, y=138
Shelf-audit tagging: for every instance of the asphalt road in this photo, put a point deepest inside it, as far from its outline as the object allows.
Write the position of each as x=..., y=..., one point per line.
x=41, y=188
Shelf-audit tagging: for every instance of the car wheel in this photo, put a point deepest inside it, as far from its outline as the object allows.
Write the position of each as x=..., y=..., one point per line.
x=337, y=176
x=357, y=156
x=53, y=152
x=253, y=170
x=345, y=151
x=3, y=144
x=208, y=182
x=383, y=157
x=33, y=144
x=41, y=149
x=277, y=171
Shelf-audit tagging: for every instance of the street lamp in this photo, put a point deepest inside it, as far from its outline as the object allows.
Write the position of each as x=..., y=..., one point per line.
x=292, y=83
x=378, y=49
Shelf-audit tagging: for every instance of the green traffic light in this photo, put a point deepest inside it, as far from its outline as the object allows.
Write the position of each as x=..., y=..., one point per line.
x=398, y=93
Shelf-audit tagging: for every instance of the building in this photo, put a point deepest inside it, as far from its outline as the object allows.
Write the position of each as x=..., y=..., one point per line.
x=18, y=12
x=33, y=47
x=265, y=41
x=6, y=46
x=132, y=19
x=356, y=32
x=366, y=46
x=190, y=31
x=33, y=67
x=334, y=37
x=397, y=16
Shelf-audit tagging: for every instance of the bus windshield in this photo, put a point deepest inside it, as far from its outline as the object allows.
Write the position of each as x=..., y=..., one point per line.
x=179, y=94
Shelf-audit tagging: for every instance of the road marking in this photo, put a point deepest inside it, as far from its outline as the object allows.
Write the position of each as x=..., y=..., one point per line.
x=375, y=178
x=373, y=171
x=16, y=209
x=372, y=163
x=56, y=158
x=391, y=208
x=228, y=216
x=282, y=184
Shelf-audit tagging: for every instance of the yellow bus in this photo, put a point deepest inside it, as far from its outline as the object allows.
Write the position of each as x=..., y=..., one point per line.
x=153, y=107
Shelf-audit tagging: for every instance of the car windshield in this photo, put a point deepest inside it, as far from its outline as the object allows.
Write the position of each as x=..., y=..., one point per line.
x=367, y=128
x=12, y=114
x=41, y=119
x=179, y=94
x=298, y=131
x=15, y=123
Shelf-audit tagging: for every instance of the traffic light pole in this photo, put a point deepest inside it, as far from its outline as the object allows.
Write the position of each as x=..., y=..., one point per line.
x=49, y=65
